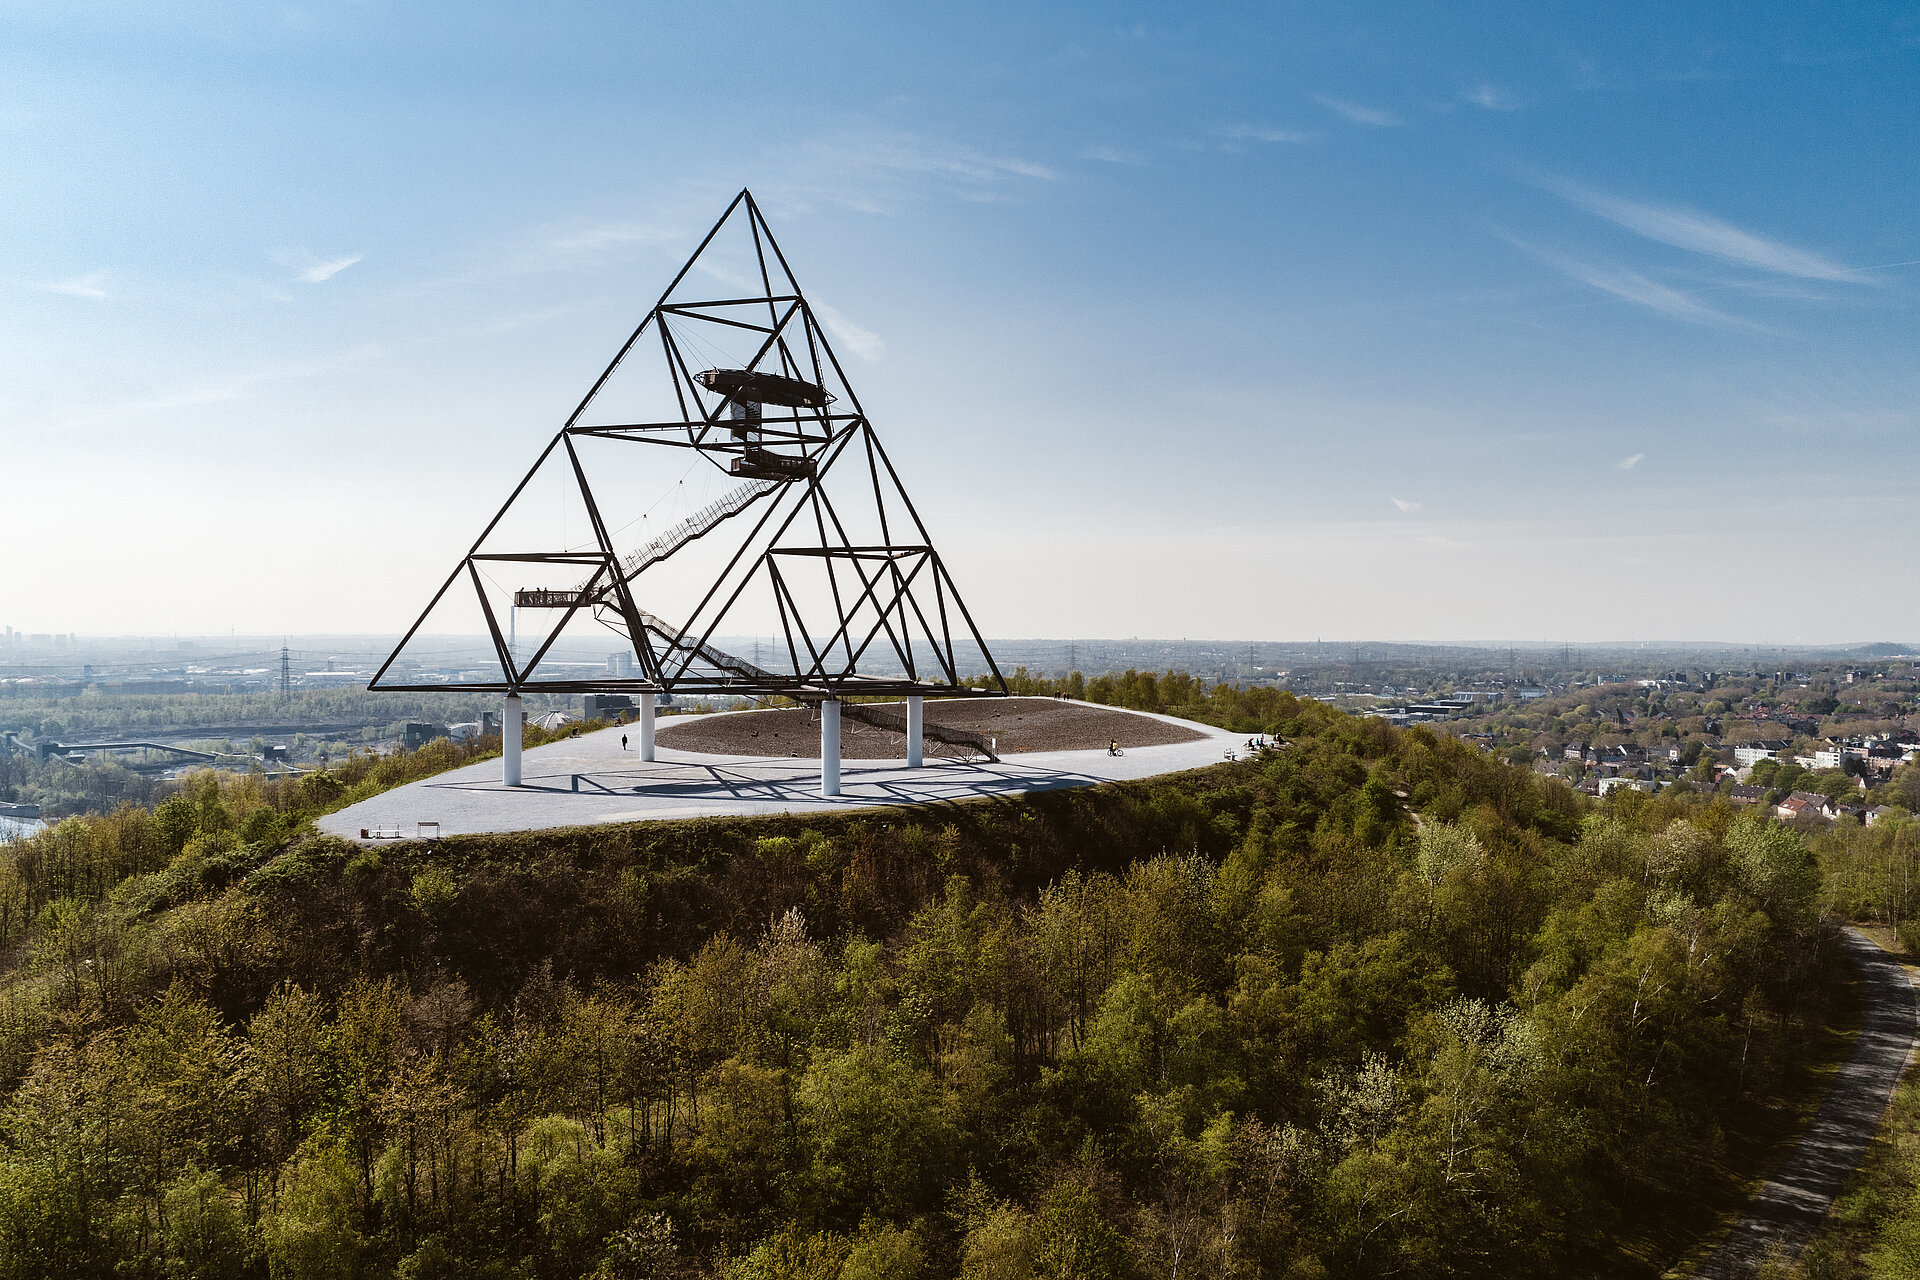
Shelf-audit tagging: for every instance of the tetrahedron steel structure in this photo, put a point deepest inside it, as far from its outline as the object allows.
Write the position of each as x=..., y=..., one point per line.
x=802, y=530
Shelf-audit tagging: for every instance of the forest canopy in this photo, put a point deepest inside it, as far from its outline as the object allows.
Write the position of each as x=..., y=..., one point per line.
x=1372, y=1003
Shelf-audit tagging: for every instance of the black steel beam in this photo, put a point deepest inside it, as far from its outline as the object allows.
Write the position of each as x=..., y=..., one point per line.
x=892, y=588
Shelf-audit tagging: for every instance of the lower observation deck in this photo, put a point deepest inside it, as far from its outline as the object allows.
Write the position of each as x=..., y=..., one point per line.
x=589, y=780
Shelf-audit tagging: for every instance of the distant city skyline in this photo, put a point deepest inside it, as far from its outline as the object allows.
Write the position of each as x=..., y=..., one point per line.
x=1433, y=327
x=1091, y=653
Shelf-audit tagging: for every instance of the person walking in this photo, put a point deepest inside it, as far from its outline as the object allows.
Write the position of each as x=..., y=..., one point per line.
x=623, y=742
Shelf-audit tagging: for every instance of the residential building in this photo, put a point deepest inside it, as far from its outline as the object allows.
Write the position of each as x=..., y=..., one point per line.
x=1754, y=752
x=1885, y=756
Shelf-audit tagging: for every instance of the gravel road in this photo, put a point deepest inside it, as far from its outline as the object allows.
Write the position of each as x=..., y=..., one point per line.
x=1785, y=1212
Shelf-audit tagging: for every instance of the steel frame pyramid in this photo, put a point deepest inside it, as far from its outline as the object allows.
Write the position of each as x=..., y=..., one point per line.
x=790, y=427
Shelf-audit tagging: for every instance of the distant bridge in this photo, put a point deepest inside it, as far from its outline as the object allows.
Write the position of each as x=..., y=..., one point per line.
x=46, y=750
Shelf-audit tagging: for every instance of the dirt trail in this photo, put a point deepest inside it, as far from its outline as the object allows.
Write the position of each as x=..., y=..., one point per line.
x=1786, y=1211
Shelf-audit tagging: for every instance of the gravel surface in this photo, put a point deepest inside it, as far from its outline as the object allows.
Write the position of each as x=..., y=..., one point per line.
x=1785, y=1212
x=1020, y=724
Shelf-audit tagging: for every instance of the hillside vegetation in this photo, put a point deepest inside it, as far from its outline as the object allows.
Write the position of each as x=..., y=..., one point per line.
x=1372, y=1004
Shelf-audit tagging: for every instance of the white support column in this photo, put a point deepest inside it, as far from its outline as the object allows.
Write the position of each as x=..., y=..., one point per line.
x=829, y=748
x=510, y=738
x=646, y=726
x=915, y=731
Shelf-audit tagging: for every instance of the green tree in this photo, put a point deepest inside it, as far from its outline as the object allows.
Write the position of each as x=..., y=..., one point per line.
x=1076, y=1242
x=206, y=1235
x=879, y=1136
x=884, y=1252
x=316, y=1232
x=286, y=1045
x=793, y=1255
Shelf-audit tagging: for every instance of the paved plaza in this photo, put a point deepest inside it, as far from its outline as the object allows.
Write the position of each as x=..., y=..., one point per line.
x=590, y=779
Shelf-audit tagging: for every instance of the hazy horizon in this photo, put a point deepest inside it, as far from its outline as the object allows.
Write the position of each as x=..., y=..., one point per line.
x=384, y=642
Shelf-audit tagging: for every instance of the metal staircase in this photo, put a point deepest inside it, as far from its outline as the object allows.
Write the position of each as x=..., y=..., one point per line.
x=697, y=525
x=718, y=658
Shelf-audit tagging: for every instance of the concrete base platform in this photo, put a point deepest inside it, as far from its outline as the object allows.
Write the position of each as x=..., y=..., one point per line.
x=588, y=780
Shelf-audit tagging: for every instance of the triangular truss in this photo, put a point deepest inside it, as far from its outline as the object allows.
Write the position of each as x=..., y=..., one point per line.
x=806, y=533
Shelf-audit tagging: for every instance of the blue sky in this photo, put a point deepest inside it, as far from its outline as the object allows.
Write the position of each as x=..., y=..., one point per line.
x=1464, y=322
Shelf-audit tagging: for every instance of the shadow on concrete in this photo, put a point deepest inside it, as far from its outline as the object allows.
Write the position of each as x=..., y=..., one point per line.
x=670, y=781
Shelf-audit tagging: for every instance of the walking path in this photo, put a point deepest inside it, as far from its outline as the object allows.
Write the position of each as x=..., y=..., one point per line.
x=1785, y=1212
x=590, y=779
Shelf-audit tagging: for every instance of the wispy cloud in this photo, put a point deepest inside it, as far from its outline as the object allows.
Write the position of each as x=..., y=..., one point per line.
x=308, y=269
x=228, y=388
x=1631, y=286
x=1492, y=99
x=1267, y=133
x=1359, y=114
x=710, y=264
x=1703, y=233
x=596, y=239
x=323, y=271
x=1628, y=464
x=881, y=172
x=1406, y=508
x=580, y=244
x=1113, y=155
x=864, y=343
x=91, y=285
